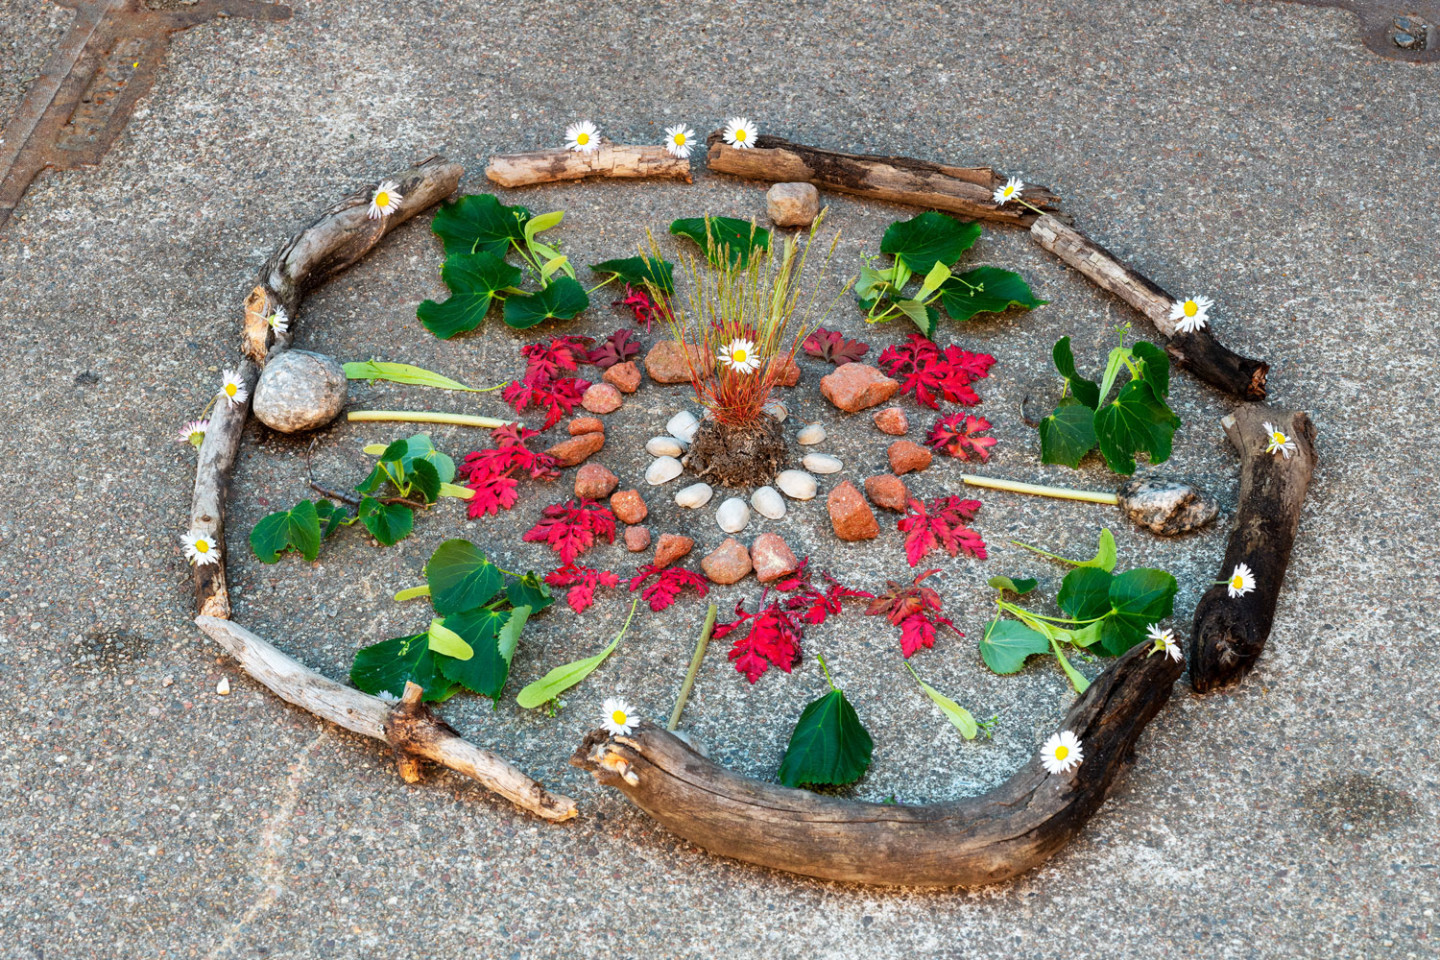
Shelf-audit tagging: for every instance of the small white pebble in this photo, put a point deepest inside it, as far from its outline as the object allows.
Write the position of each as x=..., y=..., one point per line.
x=169, y=679
x=811, y=435
x=223, y=687
x=822, y=463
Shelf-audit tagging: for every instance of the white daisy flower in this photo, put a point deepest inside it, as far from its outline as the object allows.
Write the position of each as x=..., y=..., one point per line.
x=387, y=696
x=1164, y=640
x=385, y=201
x=1278, y=442
x=739, y=355
x=679, y=140
x=1190, y=315
x=618, y=718
x=582, y=137
x=1010, y=191
x=1241, y=581
x=234, y=388
x=740, y=133
x=200, y=549
x=193, y=432
x=279, y=320
x=1061, y=752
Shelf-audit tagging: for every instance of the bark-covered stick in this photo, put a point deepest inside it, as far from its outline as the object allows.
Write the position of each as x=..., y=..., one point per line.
x=619, y=161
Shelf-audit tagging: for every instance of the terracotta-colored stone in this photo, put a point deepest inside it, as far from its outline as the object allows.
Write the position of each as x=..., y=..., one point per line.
x=772, y=557
x=888, y=492
x=789, y=373
x=624, y=376
x=594, y=482
x=855, y=386
x=729, y=563
x=665, y=363
x=907, y=456
x=628, y=506
x=586, y=425
x=575, y=451
x=637, y=539
x=849, y=513
x=672, y=547
x=892, y=420
x=602, y=398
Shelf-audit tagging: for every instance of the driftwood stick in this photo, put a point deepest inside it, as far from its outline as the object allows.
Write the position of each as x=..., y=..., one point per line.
x=1229, y=634
x=212, y=485
x=1205, y=356
x=624, y=161
x=968, y=191
x=961, y=843
x=410, y=728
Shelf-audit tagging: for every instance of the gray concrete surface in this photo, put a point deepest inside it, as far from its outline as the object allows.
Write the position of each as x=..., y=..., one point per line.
x=1252, y=152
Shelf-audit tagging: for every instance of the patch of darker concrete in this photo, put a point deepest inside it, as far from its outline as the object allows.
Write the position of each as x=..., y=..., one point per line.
x=1356, y=807
x=110, y=653
x=1398, y=29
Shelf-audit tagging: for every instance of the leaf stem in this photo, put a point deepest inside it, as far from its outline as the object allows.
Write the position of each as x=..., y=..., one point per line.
x=1060, y=493
x=826, y=669
x=1052, y=556
x=695, y=659
x=412, y=593
x=426, y=416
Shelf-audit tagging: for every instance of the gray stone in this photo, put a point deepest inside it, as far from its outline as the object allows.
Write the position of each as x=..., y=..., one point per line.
x=1166, y=507
x=299, y=391
x=792, y=204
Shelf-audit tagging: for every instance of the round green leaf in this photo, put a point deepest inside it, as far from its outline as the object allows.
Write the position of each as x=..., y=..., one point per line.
x=1068, y=434
x=1135, y=421
x=1138, y=599
x=1085, y=593
x=479, y=223
x=1000, y=290
x=928, y=239
x=461, y=578
x=562, y=299
x=298, y=527
x=1007, y=644
x=387, y=522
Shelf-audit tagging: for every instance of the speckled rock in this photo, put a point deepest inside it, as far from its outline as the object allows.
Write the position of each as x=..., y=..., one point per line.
x=1165, y=507
x=625, y=377
x=888, y=492
x=892, y=420
x=576, y=450
x=582, y=425
x=672, y=547
x=907, y=456
x=850, y=515
x=792, y=204
x=594, y=481
x=602, y=398
x=772, y=558
x=665, y=363
x=299, y=391
x=628, y=506
x=789, y=372
x=637, y=539
x=729, y=563
x=855, y=386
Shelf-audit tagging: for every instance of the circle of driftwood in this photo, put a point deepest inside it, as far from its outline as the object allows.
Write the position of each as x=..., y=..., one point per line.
x=968, y=842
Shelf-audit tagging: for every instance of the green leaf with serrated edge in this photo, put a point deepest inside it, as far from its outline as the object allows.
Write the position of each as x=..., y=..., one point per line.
x=1138, y=598
x=1086, y=391
x=925, y=317
x=461, y=577
x=1006, y=645
x=298, y=527
x=999, y=291
x=484, y=673
x=479, y=223
x=473, y=280
x=928, y=239
x=426, y=479
x=562, y=299
x=545, y=221
x=1154, y=367
x=1136, y=420
x=1019, y=587
x=564, y=677
x=402, y=373
x=1085, y=593
x=828, y=746
x=726, y=236
x=384, y=667
x=640, y=272
x=509, y=637
x=958, y=716
x=332, y=517
x=1068, y=434
x=448, y=642
x=387, y=522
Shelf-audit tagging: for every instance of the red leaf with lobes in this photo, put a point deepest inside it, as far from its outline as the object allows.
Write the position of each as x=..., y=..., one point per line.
x=492, y=494
x=916, y=632
x=831, y=345
x=815, y=603
x=646, y=309
x=930, y=374
x=667, y=586
x=491, y=473
x=959, y=436
x=773, y=639
x=571, y=528
x=582, y=582
x=617, y=348
x=915, y=609
x=942, y=523
x=556, y=397
x=546, y=360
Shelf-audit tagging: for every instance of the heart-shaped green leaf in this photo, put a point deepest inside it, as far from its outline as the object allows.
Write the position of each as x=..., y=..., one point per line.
x=1085, y=593
x=1138, y=598
x=461, y=578
x=1086, y=391
x=999, y=291
x=474, y=280
x=1006, y=645
x=562, y=299
x=384, y=667
x=387, y=522
x=1136, y=420
x=298, y=527
x=480, y=223
x=828, y=746
x=929, y=239
x=640, y=272
x=1068, y=434
x=723, y=238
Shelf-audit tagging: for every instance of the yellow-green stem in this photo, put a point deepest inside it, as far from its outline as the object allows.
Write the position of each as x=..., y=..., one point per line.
x=425, y=416
x=694, y=668
x=1035, y=489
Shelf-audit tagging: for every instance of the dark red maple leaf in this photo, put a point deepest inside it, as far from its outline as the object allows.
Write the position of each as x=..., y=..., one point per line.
x=616, y=348
x=959, y=436
x=647, y=309
x=941, y=523
x=931, y=374
x=831, y=345
x=571, y=528
x=812, y=603
x=582, y=582
x=556, y=397
x=667, y=586
x=914, y=608
x=546, y=360
x=773, y=639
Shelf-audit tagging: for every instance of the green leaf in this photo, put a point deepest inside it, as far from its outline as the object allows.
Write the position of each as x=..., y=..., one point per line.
x=548, y=268
x=474, y=280
x=873, y=284
x=1136, y=420
x=540, y=224
x=1068, y=434
x=560, y=300
x=1138, y=598
x=1105, y=553
x=402, y=373
x=640, y=272
x=828, y=746
x=406, y=453
x=509, y=637
x=384, y=667
x=298, y=527
x=446, y=641
x=1019, y=587
x=1006, y=645
x=1000, y=290
x=1086, y=391
x=529, y=591
x=736, y=239
x=928, y=239
x=332, y=517
x=479, y=223
x=387, y=522
x=1085, y=593
x=927, y=318
x=933, y=281
x=564, y=677
x=958, y=716
x=1154, y=367
x=461, y=577
x=487, y=670
x=1076, y=678
x=426, y=479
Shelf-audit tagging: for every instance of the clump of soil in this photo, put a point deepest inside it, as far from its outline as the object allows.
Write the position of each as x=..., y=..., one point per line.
x=729, y=456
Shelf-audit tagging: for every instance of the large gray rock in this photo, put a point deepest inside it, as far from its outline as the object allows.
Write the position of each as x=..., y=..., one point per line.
x=792, y=204
x=1166, y=507
x=299, y=391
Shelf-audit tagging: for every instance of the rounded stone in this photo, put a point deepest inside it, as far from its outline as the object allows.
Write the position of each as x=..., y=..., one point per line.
x=695, y=495
x=733, y=515
x=776, y=410
x=822, y=463
x=299, y=391
x=811, y=435
x=602, y=398
x=662, y=470
x=683, y=426
x=797, y=484
x=768, y=503
x=665, y=447
x=792, y=204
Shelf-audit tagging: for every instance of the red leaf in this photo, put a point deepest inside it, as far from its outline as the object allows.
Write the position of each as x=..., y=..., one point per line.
x=959, y=436
x=571, y=528
x=492, y=494
x=943, y=523
x=667, y=586
x=931, y=374
x=813, y=604
x=616, y=348
x=491, y=473
x=582, y=582
x=556, y=397
x=831, y=345
x=915, y=609
x=773, y=639
x=546, y=360
x=646, y=309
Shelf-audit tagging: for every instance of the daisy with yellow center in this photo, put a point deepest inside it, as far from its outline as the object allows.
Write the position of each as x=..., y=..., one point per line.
x=679, y=140
x=1277, y=442
x=1241, y=581
x=1061, y=752
x=193, y=432
x=1190, y=315
x=1010, y=191
x=233, y=388
x=582, y=137
x=618, y=718
x=385, y=201
x=1164, y=642
x=739, y=355
x=279, y=320
x=200, y=549
x=740, y=133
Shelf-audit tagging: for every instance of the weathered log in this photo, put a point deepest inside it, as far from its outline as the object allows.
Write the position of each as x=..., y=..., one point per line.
x=1198, y=351
x=409, y=727
x=1229, y=633
x=968, y=191
x=622, y=161
x=212, y=485
x=960, y=843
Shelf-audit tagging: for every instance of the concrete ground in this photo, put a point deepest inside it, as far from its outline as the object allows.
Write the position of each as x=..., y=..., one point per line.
x=1255, y=153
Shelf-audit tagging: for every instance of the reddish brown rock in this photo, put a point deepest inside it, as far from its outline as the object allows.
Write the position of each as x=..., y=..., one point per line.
x=672, y=547
x=849, y=513
x=594, y=482
x=665, y=363
x=907, y=456
x=637, y=539
x=892, y=420
x=729, y=563
x=888, y=492
x=629, y=507
x=602, y=398
x=772, y=557
x=855, y=386
x=789, y=373
x=586, y=425
x=575, y=451
x=624, y=376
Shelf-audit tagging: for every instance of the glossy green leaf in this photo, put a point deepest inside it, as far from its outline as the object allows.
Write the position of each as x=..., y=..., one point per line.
x=473, y=280
x=640, y=272
x=479, y=223
x=999, y=291
x=561, y=299
x=828, y=746
x=332, y=517
x=387, y=522
x=484, y=673
x=297, y=528
x=1085, y=593
x=448, y=642
x=723, y=237
x=425, y=479
x=1135, y=421
x=1154, y=367
x=529, y=591
x=384, y=667
x=1086, y=391
x=1068, y=434
x=1137, y=598
x=1006, y=645
x=928, y=239
x=461, y=577
x=1019, y=587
